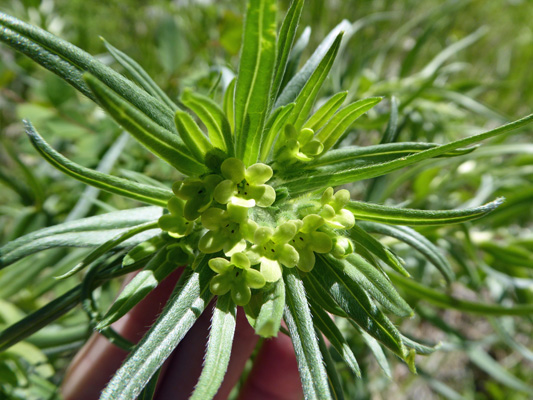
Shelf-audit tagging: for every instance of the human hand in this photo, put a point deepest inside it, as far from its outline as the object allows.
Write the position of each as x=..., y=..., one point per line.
x=274, y=375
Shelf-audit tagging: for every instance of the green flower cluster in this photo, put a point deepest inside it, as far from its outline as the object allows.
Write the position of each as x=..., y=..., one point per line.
x=233, y=212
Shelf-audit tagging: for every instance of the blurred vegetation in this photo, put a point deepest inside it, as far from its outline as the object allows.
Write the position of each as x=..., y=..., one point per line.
x=454, y=67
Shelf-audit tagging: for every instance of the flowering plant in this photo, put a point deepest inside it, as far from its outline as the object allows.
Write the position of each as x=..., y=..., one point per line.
x=256, y=219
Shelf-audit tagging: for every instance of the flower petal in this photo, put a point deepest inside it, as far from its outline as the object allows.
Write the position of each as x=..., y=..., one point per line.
x=258, y=174
x=233, y=169
x=270, y=269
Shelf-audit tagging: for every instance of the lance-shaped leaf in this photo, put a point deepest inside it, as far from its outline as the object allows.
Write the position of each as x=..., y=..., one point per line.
x=409, y=216
x=375, y=348
x=157, y=269
x=307, y=96
x=214, y=119
x=192, y=135
x=415, y=240
x=325, y=112
x=326, y=325
x=87, y=232
x=298, y=81
x=307, y=183
x=252, y=100
x=294, y=59
x=347, y=155
x=109, y=245
x=335, y=385
x=358, y=306
x=139, y=75
x=229, y=105
x=273, y=127
x=300, y=324
x=155, y=138
x=218, y=351
x=368, y=242
x=123, y=187
x=341, y=121
x=180, y=313
x=380, y=286
x=70, y=63
x=286, y=36
x=444, y=300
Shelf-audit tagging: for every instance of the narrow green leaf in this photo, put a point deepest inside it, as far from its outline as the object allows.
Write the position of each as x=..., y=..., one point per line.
x=447, y=301
x=157, y=269
x=286, y=36
x=356, y=303
x=123, y=187
x=300, y=324
x=148, y=393
x=273, y=127
x=180, y=313
x=419, y=347
x=229, y=104
x=139, y=75
x=326, y=325
x=155, y=138
x=416, y=241
x=192, y=135
x=298, y=81
x=39, y=319
x=325, y=112
x=433, y=66
x=268, y=320
x=109, y=245
x=493, y=368
x=294, y=59
x=375, y=348
x=307, y=96
x=335, y=385
x=112, y=220
x=409, y=216
x=322, y=297
x=368, y=242
x=386, y=293
x=252, y=100
x=308, y=183
x=391, y=132
x=213, y=117
x=70, y=63
x=348, y=156
x=218, y=351
x=341, y=121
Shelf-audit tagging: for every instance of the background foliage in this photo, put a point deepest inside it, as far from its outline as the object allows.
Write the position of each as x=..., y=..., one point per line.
x=402, y=48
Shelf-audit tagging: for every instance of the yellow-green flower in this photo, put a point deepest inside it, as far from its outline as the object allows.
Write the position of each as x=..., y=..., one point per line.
x=272, y=250
x=308, y=241
x=237, y=276
x=175, y=223
x=245, y=186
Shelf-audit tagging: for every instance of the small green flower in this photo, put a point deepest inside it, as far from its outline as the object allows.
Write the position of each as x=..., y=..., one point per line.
x=272, y=249
x=198, y=194
x=342, y=247
x=245, y=186
x=308, y=241
x=228, y=230
x=302, y=146
x=333, y=209
x=236, y=276
x=175, y=223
